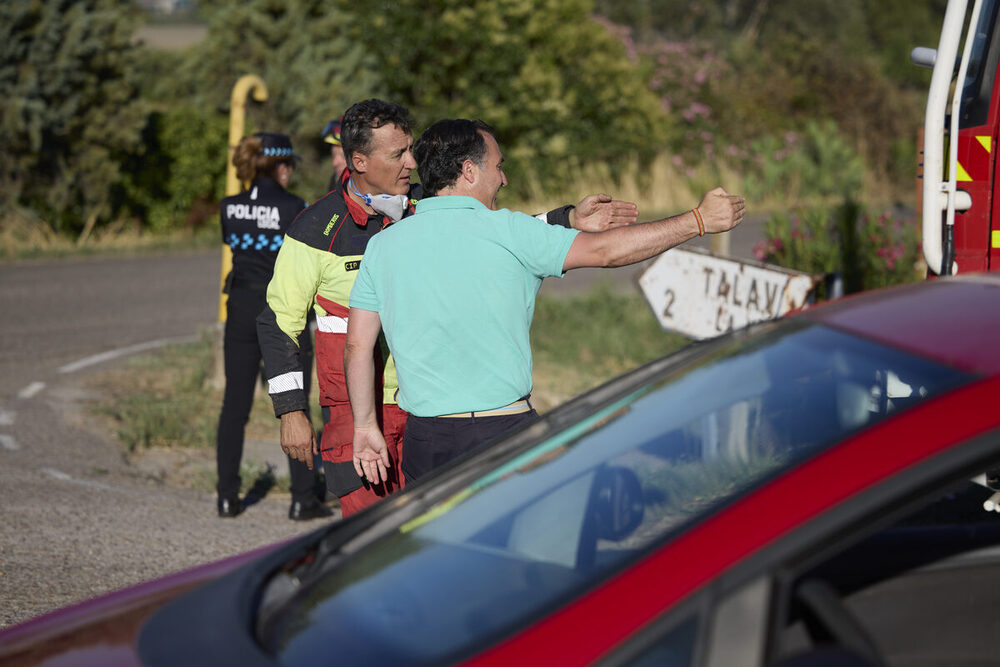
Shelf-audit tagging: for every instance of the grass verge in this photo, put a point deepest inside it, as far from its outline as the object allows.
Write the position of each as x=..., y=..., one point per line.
x=580, y=342
x=23, y=239
x=164, y=410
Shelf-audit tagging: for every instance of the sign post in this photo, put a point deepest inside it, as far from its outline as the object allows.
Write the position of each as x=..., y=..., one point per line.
x=701, y=295
x=248, y=84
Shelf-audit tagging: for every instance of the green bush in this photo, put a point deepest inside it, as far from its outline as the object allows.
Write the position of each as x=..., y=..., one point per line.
x=892, y=250
x=97, y=129
x=181, y=173
x=786, y=62
x=819, y=163
x=311, y=55
x=70, y=111
x=868, y=250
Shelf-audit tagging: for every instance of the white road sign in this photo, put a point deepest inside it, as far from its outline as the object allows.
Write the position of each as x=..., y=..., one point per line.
x=700, y=295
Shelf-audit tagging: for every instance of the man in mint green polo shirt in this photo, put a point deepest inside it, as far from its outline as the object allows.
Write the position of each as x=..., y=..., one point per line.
x=453, y=286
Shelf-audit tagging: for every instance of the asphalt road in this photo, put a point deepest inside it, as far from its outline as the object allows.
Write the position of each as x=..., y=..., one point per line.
x=77, y=519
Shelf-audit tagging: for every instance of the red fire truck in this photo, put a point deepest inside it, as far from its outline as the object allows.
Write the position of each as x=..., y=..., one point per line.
x=959, y=213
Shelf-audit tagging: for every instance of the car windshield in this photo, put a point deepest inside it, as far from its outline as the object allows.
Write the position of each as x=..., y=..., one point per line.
x=564, y=513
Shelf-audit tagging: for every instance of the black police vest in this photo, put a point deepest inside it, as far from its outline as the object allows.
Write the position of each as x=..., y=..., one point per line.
x=254, y=223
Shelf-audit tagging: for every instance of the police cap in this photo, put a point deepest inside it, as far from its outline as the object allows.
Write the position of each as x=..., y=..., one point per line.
x=277, y=145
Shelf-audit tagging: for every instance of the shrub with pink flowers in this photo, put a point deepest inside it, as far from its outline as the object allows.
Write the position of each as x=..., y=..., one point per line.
x=869, y=250
x=798, y=97
x=682, y=74
x=893, y=252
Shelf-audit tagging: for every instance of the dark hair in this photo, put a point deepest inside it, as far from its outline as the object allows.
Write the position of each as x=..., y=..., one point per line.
x=363, y=117
x=445, y=146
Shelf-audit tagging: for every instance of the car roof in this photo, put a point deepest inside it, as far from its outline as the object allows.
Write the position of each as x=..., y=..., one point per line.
x=955, y=321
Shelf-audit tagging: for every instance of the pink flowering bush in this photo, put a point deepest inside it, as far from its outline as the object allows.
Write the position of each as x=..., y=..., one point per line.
x=868, y=250
x=893, y=249
x=801, y=240
x=683, y=74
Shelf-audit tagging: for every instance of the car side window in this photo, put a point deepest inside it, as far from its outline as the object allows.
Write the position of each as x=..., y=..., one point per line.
x=948, y=606
x=923, y=589
x=735, y=629
x=674, y=649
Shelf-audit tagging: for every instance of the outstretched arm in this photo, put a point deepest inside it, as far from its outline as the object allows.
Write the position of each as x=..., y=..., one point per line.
x=719, y=210
x=371, y=456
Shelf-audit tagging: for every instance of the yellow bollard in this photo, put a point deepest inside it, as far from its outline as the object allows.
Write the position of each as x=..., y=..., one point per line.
x=246, y=85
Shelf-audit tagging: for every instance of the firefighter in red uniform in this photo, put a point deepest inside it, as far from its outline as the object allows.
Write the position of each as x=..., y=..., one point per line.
x=253, y=225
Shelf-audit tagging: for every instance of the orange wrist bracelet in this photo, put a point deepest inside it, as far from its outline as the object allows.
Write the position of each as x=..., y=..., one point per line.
x=701, y=222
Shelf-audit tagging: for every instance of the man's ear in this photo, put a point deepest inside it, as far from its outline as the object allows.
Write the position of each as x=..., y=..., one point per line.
x=359, y=162
x=470, y=172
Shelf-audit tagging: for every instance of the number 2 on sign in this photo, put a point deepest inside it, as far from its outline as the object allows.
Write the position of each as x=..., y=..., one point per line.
x=670, y=302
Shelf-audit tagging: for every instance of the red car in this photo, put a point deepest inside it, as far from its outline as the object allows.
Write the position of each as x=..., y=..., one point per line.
x=810, y=491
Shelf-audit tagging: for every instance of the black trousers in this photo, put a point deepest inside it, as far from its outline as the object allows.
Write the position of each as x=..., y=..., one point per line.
x=241, y=353
x=430, y=442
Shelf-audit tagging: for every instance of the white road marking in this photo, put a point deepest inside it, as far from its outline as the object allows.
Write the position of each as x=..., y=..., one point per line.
x=121, y=352
x=7, y=441
x=61, y=476
x=58, y=474
x=31, y=390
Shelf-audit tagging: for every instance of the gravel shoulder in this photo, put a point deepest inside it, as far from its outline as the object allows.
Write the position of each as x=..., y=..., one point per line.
x=78, y=517
x=93, y=520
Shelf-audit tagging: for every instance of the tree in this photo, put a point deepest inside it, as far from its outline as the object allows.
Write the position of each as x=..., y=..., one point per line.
x=70, y=111
x=300, y=48
x=180, y=177
x=559, y=87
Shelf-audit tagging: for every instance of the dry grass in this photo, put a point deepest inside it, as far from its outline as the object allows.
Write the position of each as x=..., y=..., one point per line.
x=582, y=341
x=164, y=409
x=659, y=189
x=24, y=238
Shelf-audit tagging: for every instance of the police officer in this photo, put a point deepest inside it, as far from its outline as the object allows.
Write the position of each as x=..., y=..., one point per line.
x=331, y=136
x=253, y=225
